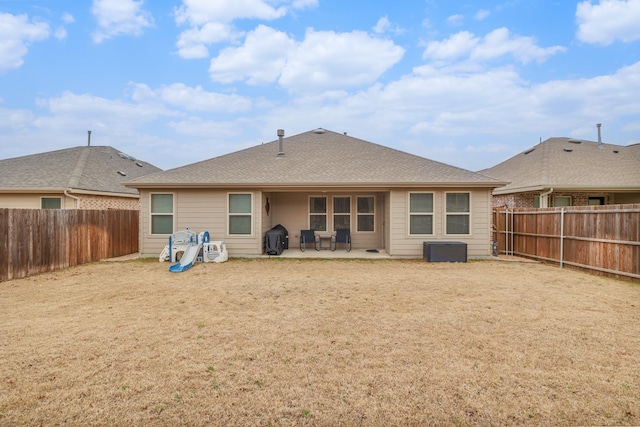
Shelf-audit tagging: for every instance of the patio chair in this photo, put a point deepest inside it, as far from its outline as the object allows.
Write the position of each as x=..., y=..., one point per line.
x=342, y=236
x=306, y=237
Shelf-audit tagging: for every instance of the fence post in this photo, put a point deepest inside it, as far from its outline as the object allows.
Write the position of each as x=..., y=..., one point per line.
x=561, y=237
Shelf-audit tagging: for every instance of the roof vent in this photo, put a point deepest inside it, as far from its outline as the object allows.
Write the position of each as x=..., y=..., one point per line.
x=139, y=164
x=616, y=151
x=529, y=151
x=280, y=143
x=319, y=131
x=122, y=173
x=575, y=141
x=124, y=156
x=568, y=150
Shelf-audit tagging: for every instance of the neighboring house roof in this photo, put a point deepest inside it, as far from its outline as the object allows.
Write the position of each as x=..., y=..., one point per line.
x=570, y=164
x=91, y=169
x=317, y=158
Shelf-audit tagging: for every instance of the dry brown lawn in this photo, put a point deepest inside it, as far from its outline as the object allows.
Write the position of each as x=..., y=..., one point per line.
x=316, y=342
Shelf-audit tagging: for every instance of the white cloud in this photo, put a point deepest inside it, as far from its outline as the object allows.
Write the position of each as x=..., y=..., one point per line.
x=324, y=60
x=16, y=34
x=197, y=99
x=67, y=18
x=455, y=20
x=384, y=26
x=122, y=17
x=192, y=43
x=212, y=21
x=259, y=60
x=200, y=12
x=481, y=15
x=496, y=44
x=608, y=21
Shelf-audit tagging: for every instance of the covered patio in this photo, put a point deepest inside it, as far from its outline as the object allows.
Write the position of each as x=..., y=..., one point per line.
x=295, y=252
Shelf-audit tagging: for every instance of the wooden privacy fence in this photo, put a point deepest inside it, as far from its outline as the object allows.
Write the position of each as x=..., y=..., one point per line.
x=34, y=241
x=604, y=239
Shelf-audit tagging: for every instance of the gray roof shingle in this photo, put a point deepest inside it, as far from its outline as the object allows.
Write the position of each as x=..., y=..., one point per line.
x=90, y=168
x=316, y=158
x=569, y=164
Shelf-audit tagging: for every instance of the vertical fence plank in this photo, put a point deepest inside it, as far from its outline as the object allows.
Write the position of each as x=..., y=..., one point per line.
x=604, y=239
x=34, y=241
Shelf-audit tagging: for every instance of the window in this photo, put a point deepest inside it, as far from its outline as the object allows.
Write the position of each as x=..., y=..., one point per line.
x=341, y=213
x=457, y=213
x=51, y=203
x=161, y=213
x=562, y=201
x=536, y=201
x=318, y=213
x=420, y=213
x=596, y=201
x=365, y=212
x=240, y=213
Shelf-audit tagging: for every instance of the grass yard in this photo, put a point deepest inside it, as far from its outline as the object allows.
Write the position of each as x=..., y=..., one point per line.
x=281, y=342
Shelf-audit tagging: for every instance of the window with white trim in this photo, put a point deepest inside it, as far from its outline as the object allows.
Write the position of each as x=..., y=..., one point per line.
x=341, y=213
x=162, y=213
x=51, y=203
x=562, y=201
x=365, y=213
x=318, y=213
x=458, y=213
x=420, y=213
x=240, y=213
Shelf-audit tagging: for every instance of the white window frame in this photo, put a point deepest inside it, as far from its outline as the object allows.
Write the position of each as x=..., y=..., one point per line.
x=325, y=214
x=250, y=214
x=152, y=214
x=47, y=197
x=334, y=213
x=447, y=213
x=431, y=214
x=373, y=214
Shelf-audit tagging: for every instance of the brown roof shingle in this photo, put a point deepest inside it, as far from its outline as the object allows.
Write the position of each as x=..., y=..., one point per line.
x=569, y=164
x=90, y=168
x=316, y=158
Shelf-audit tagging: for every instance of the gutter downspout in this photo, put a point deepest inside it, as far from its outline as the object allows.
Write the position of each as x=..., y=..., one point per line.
x=544, y=198
x=77, y=199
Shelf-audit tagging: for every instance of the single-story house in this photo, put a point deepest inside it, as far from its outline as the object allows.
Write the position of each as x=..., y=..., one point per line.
x=86, y=177
x=321, y=180
x=568, y=172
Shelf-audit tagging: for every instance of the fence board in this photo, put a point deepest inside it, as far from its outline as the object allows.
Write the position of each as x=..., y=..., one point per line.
x=603, y=239
x=34, y=241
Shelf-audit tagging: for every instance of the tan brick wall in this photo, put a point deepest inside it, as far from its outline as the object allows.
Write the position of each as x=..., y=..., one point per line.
x=511, y=201
x=105, y=202
x=525, y=200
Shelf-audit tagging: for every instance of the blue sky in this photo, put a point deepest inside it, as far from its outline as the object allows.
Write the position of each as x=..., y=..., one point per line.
x=175, y=82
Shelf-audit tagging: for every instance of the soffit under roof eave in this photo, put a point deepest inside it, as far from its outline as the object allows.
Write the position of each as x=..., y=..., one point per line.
x=57, y=190
x=34, y=190
x=567, y=188
x=323, y=185
x=506, y=190
x=103, y=193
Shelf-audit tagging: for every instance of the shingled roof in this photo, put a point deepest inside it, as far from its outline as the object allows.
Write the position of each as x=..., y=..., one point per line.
x=570, y=164
x=90, y=168
x=318, y=158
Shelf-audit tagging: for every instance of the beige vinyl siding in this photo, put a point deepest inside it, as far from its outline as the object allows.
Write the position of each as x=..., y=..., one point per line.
x=201, y=210
x=33, y=201
x=405, y=245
